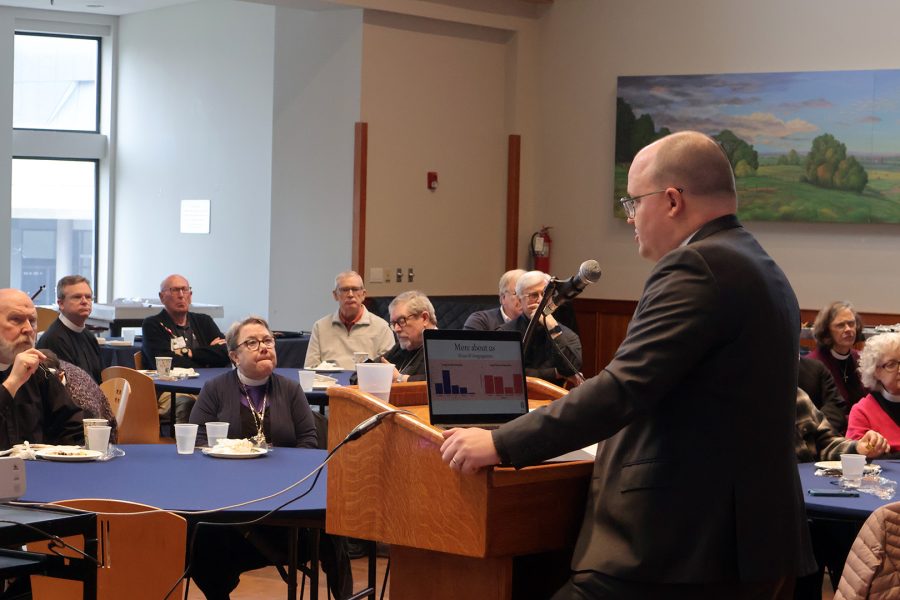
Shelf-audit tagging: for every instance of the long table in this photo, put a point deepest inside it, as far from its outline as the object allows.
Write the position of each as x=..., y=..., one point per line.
x=157, y=475
x=291, y=352
x=857, y=509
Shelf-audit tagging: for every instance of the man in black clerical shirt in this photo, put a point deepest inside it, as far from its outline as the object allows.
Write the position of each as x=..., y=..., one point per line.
x=67, y=336
x=34, y=405
x=192, y=339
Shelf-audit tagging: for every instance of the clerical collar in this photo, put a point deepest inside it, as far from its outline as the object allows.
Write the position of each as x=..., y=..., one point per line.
x=838, y=356
x=70, y=324
x=887, y=396
x=251, y=382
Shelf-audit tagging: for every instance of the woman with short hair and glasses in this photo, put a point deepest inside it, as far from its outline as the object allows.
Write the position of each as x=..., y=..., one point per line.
x=837, y=328
x=256, y=402
x=879, y=369
x=272, y=410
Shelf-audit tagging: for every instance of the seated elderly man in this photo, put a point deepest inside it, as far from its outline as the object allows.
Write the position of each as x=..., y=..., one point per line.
x=510, y=308
x=816, y=439
x=191, y=339
x=411, y=314
x=352, y=328
x=554, y=353
x=34, y=405
x=67, y=335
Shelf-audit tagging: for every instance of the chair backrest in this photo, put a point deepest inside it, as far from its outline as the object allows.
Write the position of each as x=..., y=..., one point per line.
x=45, y=316
x=139, y=422
x=116, y=391
x=139, y=360
x=141, y=555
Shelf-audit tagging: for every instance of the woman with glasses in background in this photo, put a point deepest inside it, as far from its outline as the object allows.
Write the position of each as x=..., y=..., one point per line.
x=837, y=329
x=879, y=368
x=270, y=410
x=255, y=402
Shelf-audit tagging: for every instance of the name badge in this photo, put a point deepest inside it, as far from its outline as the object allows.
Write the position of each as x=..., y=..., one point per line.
x=178, y=343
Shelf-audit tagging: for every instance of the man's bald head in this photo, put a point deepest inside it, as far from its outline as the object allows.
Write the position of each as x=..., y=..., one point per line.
x=695, y=162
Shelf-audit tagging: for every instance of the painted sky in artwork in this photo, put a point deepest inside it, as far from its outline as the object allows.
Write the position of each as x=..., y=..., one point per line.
x=777, y=112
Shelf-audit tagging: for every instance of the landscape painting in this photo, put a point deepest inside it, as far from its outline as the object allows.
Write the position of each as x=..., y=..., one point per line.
x=810, y=146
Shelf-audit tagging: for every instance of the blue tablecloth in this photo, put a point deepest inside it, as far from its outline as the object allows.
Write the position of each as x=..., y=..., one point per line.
x=157, y=475
x=836, y=507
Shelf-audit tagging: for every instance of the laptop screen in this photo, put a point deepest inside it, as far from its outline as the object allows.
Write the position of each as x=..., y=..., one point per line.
x=474, y=377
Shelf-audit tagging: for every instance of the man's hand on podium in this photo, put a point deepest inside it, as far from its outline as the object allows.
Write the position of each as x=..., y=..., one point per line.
x=468, y=450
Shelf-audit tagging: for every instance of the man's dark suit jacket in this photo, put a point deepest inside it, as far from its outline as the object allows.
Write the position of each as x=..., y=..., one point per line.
x=696, y=480
x=485, y=320
x=158, y=332
x=815, y=379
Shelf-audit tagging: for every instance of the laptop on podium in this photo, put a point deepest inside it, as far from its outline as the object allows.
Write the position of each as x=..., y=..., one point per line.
x=475, y=378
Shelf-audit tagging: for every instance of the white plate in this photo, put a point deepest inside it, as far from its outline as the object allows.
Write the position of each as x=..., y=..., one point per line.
x=256, y=453
x=326, y=369
x=81, y=456
x=119, y=343
x=836, y=465
x=324, y=385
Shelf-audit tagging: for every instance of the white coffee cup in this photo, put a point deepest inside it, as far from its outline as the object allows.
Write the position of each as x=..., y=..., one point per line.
x=852, y=466
x=185, y=437
x=359, y=357
x=376, y=379
x=164, y=366
x=307, y=379
x=98, y=437
x=92, y=423
x=216, y=430
x=128, y=334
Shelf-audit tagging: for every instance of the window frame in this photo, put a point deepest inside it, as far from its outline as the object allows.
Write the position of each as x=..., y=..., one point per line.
x=97, y=87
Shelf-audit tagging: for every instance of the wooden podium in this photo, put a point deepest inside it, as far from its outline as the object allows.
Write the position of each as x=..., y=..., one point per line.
x=452, y=536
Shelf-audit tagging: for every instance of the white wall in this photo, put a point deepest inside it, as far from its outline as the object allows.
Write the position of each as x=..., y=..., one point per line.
x=586, y=44
x=195, y=121
x=318, y=59
x=434, y=94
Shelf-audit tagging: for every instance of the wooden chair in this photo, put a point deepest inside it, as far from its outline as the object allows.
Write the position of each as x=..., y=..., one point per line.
x=116, y=391
x=141, y=555
x=45, y=317
x=139, y=360
x=139, y=422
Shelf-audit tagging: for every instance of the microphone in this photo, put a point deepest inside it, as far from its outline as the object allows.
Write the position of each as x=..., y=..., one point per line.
x=563, y=291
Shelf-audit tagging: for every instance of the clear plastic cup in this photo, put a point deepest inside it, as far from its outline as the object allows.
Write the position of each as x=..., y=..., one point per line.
x=92, y=423
x=307, y=378
x=164, y=366
x=185, y=437
x=852, y=466
x=216, y=430
x=376, y=379
x=98, y=438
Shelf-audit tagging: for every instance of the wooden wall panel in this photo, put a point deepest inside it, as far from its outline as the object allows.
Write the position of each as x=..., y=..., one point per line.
x=602, y=325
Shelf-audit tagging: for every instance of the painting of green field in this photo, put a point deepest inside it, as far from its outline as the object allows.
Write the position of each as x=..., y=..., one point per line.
x=776, y=193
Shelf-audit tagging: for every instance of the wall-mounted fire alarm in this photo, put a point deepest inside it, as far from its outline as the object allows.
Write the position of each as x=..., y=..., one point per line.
x=432, y=180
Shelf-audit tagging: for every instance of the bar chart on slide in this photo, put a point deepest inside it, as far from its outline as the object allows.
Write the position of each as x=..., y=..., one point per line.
x=495, y=379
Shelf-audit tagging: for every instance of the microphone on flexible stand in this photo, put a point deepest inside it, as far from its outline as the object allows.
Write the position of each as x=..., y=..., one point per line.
x=563, y=291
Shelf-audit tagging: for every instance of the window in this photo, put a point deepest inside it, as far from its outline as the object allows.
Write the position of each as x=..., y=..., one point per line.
x=57, y=153
x=54, y=203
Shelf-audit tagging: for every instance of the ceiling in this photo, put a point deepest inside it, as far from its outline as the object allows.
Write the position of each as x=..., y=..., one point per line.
x=100, y=7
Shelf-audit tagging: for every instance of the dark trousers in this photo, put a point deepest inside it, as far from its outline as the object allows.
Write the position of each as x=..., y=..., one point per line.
x=591, y=585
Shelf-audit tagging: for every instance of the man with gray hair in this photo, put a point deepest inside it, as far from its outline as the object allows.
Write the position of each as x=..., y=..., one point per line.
x=67, y=336
x=509, y=310
x=554, y=353
x=34, y=405
x=191, y=339
x=352, y=328
x=411, y=314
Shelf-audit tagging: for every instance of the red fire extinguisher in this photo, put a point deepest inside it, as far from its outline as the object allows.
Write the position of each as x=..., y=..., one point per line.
x=540, y=249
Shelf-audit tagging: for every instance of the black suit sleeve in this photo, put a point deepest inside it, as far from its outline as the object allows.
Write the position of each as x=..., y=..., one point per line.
x=815, y=379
